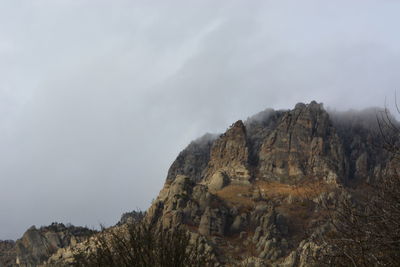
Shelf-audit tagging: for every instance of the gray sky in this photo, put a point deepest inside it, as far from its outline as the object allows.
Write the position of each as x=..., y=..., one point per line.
x=97, y=98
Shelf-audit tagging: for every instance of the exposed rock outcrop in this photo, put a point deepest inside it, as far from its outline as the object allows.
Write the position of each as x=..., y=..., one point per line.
x=131, y=217
x=303, y=144
x=37, y=245
x=193, y=160
x=229, y=158
x=7, y=253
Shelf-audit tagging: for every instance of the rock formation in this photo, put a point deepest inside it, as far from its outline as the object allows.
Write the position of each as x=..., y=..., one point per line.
x=303, y=144
x=37, y=245
x=229, y=157
x=7, y=253
x=264, y=181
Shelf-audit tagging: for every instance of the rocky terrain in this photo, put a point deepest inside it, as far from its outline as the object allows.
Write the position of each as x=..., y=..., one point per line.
x=7, y=253
x=37, y=245
x=256, y=193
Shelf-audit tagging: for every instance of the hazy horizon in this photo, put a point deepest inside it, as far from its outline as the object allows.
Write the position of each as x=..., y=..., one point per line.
x=98, y=98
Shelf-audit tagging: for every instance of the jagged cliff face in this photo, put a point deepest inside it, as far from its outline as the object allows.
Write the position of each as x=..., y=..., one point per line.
x=262, y=179
x=303, y=144
x=229, y=159
x=286, y=146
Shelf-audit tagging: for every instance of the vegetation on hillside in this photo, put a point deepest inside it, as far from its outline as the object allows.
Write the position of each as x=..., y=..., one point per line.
x=141, y=244
x=366, y=229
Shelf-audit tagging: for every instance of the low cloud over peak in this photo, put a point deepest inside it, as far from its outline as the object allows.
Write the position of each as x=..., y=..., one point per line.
x=97, y=99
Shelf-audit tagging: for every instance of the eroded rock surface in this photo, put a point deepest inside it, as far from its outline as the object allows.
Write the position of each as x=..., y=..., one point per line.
x=229, y=156
x=303, y=144
x=37, y=245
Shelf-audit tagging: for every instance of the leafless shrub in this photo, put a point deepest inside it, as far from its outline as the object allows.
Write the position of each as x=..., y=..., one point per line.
x=141, y=244
x=366, y=228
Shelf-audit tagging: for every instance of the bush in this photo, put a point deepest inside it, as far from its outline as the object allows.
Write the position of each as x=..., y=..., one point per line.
x=366, y=230
x=141, y=244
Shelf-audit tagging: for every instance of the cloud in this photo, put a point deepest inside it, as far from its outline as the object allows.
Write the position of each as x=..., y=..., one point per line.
x=97, y=99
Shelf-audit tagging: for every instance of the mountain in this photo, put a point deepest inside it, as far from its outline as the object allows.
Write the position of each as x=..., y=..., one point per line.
x=256, y=191
x=37, y=245
x=255, y=194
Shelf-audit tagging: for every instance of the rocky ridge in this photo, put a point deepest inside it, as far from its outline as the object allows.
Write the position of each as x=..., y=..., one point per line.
x=38, y=244
x=254, y=194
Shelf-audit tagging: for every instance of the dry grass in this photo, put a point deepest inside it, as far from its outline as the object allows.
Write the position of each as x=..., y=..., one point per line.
x=237, y=195
x=241, y=195
x=303, y=191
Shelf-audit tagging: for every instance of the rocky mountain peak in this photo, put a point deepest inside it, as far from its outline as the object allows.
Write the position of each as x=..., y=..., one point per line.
x=193, y=160
x=236, y=128
x=303, y=143
x=284, y=146
x=229, y=158
x=262, y=178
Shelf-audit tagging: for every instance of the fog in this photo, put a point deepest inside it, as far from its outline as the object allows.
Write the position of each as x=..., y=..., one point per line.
x=97, y=98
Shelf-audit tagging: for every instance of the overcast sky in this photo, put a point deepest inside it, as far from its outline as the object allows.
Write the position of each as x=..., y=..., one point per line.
x=97, y=98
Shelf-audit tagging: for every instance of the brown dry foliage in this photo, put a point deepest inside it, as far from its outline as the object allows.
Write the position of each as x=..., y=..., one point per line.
x=300, y=190
x=237, y=195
